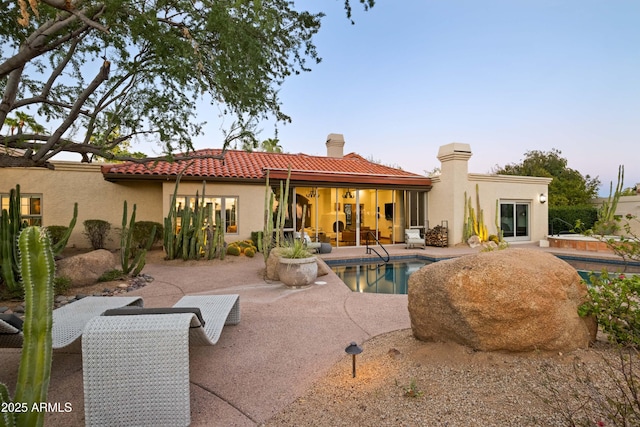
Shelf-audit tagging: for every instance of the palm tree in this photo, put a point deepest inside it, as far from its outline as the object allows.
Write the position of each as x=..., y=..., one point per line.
x=271, y=145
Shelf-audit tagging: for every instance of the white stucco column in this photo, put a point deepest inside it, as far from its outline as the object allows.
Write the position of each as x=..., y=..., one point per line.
x=446, y=199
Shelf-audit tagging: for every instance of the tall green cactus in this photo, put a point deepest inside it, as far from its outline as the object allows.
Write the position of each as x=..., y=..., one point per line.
x=59, y=247
x=268, y=240
x=195, y=239
x=266, y=243
x=10, y=225
x=37, y=269
x=606, y=223
x=126, y=239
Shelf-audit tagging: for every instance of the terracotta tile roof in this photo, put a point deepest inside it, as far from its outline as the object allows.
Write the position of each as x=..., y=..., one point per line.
x=243, y=165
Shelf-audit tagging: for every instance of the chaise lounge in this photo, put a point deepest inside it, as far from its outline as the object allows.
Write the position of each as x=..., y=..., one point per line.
x=68, y=321
x=144, y=354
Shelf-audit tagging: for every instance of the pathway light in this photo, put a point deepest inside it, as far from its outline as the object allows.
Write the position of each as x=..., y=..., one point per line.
x=353, y=349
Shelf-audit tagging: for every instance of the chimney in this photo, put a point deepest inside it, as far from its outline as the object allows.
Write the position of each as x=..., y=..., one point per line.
x=335, y=145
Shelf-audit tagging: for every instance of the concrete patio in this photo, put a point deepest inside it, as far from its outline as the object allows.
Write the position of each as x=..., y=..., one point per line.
x=286, y=340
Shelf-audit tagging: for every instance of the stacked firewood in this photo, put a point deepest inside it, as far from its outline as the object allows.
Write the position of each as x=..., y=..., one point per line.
x=437, y=236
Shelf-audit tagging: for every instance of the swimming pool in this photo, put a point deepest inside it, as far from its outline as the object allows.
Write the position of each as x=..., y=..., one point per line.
x=362, y=275
x=379, y=278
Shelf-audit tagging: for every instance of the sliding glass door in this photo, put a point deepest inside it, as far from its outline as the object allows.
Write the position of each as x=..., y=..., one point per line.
x=514, y=220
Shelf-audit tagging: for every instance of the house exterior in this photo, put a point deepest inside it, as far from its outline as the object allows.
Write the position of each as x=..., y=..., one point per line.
x=346, y=199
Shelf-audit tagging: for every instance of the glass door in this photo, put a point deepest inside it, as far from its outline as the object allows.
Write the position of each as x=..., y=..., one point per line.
x=514, y=220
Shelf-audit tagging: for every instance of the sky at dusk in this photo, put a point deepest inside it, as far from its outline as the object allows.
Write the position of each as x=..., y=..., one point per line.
x=503, y=76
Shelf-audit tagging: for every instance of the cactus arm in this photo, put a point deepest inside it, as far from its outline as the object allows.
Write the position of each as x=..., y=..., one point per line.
x=10, y=225
x=59, y=247
x=7, y=419
x=125, y=241
x=6, y=253
x=37, y=268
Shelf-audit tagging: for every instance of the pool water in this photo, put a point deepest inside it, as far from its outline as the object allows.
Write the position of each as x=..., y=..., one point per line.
x=380, y=278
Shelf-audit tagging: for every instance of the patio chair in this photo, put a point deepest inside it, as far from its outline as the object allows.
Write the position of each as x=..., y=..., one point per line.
x=68, y=321
x=412, y=238
x=136, y=361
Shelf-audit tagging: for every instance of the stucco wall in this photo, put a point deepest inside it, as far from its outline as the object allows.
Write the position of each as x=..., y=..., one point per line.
x=72, y=182
x=444, y=205
x=99, y=199
x=447, y=200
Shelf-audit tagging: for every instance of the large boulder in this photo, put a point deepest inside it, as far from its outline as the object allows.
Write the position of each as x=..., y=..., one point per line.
x=273, y=260
x=84, y=269
x=508, y=300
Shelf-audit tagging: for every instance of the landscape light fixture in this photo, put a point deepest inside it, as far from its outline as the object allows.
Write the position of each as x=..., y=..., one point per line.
x=543, y=198
x=353, y=349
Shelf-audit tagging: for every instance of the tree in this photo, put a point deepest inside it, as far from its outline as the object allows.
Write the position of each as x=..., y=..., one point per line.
x=568, y=187
x=91, y=67
x=271, y=145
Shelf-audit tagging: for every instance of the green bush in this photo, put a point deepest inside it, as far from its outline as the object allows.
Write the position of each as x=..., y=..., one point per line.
x=250, y=252
x=96, y=231
x=561, y=216
x=61, y=285
x=615, y=301
x=56, y=233
x=111, y=275
x=142, y=232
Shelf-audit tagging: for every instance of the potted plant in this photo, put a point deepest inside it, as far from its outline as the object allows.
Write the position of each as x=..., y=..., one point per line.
x=297, y=266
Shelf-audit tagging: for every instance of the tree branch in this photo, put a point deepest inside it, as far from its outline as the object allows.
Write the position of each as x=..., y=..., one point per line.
x=43, y=39
x=10, y=93
x=102, y=76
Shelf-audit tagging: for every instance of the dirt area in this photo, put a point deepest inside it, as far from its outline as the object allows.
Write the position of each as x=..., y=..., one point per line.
x=401, y=381
x=156, y=256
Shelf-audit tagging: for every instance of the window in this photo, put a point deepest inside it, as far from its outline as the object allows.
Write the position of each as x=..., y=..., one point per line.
x=30, y=207
x=223, y=209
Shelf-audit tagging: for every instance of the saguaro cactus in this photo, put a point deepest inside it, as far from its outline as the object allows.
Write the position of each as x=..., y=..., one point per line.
x=37, y=269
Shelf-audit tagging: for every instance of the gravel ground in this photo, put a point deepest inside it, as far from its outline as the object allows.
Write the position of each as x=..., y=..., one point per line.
x=404, y=382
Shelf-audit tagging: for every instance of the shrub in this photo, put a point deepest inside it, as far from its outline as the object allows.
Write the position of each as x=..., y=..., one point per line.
x=233, y=249
x=56, y=233
x=615, y=301
x=250, y=252
x=96, y=231
x=142, y=232
x=61, y=285
x=560, y=216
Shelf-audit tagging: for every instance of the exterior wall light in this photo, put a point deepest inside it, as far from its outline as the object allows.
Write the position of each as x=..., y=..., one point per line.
x=353, y=349
x=543, y=198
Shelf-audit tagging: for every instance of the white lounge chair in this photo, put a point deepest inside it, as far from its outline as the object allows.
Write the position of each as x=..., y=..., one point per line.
x=68, y=321
x=136, y=366
x=412, y=238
